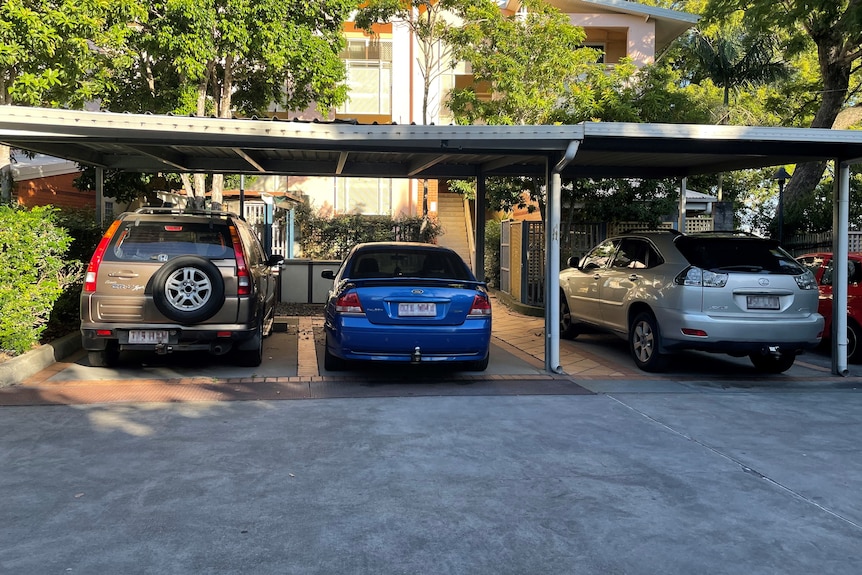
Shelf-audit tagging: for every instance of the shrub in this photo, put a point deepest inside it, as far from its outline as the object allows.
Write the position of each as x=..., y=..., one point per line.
x=33, y=273
x=492, y=253
x=325, y=238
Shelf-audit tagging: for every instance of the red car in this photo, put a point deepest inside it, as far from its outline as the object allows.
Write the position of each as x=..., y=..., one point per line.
x=820, y=265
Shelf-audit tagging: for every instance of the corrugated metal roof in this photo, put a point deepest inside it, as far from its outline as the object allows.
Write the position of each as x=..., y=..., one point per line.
x=151, y=143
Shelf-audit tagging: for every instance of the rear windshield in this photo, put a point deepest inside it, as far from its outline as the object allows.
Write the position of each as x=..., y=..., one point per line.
x=160, y=241
x=409, y=263
x=738, y=254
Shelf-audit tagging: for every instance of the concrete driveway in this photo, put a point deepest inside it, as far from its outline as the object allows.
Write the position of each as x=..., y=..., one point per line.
x=710, y=468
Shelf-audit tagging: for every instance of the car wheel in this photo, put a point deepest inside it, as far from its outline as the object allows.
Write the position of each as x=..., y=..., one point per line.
x=188, y=289
x=331, y=362
x=854, y=342
x=771, y=362
x=480, y=365
x=107, y=357
x=568, y=328
x=251, y=354
x=644, y=343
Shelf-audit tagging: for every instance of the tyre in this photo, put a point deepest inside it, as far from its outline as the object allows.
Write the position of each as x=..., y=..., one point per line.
x=107, y=357
x=331, y=362
x=644, y=343
x=251, y=353
x=568, y=328
x=854, y=342
x=479, y=365
x=188, y=289
x=772, y=363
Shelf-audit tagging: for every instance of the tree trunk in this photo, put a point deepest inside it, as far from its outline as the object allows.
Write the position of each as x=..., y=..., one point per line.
x=223, y=110
x=806, y=177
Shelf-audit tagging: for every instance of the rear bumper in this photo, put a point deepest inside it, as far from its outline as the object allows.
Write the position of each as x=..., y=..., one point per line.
x=357, y=340
x=180, y=338
x=738, y=335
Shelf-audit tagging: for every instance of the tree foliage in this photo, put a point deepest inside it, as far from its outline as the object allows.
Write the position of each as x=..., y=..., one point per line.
x=831, y=29
x=734, y=58
x=427, y=20
x=33, y=274
x=56, y=53
x=60, y=53
x=526, y=61
x=215, y=57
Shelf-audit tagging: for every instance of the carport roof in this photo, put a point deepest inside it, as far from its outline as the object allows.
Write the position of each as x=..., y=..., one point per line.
x=151, y=143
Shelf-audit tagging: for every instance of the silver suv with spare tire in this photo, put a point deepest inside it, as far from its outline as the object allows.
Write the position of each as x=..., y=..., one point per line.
x=167, y=280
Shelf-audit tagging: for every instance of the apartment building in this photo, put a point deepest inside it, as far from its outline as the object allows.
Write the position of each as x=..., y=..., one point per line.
x=386, y=87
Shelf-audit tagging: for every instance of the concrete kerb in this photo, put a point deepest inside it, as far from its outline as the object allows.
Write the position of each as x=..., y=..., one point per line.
x=17, y=369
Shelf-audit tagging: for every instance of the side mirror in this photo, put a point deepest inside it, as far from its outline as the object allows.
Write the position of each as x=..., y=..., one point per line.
x=572, y=262
x=327, y=274
x=275, y=260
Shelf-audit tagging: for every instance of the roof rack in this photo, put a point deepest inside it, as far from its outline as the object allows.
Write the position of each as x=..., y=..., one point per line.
x=632, y=232
x=183, y=211
x=730, y=233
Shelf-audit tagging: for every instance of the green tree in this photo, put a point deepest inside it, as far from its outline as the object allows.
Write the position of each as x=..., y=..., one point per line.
x=733, y=58
x=427, y=20
x=55, y=53
x=588, y=92
x=527, y=61
x=216, y=57
x=832, y=29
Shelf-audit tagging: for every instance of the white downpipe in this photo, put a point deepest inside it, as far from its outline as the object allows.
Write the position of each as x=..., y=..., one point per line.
x=840, y=247
x=683, y=190
x=552, y=261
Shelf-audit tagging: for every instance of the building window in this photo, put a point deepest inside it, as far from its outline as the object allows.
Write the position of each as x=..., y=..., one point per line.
x=600, y=48
x=367, y=196
x=369, y=77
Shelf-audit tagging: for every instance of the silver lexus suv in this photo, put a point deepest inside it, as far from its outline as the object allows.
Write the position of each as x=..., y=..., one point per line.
x=167, y=280
x=726, y=292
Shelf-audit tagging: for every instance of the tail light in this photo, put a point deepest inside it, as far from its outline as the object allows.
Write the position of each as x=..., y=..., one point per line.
x=96, y=260
x=243, y=280
x=481, y=307
x=695, y=276
x=348, y=303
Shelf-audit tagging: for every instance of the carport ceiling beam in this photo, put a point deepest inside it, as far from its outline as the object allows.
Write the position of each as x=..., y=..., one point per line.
x=247, y=157
x=85, y=157
x=423, y=164
x=342, y=160
x=506, y=161
x=173, y=160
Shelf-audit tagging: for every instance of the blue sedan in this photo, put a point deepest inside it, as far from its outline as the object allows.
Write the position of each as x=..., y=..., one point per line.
x=406, y=302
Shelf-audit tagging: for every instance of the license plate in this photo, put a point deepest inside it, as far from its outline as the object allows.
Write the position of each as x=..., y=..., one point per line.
x=763, y=302
x=148, y=336
x=417, y=309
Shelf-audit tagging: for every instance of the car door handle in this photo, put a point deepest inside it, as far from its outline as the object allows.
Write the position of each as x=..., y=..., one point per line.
x=123, y=274
x=633, y=277
x=597, y=276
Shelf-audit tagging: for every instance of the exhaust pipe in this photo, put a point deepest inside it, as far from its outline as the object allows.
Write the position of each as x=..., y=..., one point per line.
x=220, y=348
